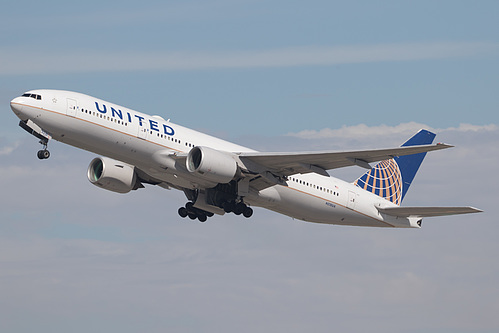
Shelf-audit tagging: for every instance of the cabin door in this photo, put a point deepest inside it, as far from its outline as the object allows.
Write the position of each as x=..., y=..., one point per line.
x=72, y=107
x=351, y=200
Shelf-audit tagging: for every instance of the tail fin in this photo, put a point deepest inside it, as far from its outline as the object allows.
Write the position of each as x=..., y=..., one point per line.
x=390, y=179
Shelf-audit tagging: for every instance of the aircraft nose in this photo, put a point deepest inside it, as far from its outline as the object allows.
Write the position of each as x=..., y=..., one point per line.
x=17, y=106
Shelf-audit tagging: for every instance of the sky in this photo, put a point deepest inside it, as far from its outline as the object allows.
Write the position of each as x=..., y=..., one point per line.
x=273, y=76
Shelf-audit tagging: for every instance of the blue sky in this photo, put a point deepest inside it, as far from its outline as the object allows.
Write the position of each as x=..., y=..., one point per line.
x=278, y=65
x=271, y=75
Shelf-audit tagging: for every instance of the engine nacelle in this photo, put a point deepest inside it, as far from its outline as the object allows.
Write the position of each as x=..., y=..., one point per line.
x=213, y=165
x=112, y=175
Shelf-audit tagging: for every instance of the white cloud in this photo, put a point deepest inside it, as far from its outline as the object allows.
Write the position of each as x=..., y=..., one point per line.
x=363, y=131
x=6, y=150
x=21, y=61
x=471, y=128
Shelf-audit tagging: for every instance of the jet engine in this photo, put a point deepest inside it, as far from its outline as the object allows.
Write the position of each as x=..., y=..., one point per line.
x=212, y=165
x=112, y=175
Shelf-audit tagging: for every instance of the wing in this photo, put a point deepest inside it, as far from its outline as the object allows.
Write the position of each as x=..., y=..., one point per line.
x=268, y=169
x=285, y=164
x=427, y=211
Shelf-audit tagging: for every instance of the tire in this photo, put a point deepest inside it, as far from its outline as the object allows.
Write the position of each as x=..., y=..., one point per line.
x=248, y=212
x=182, y=212
x=228, y=207
x=239, y=209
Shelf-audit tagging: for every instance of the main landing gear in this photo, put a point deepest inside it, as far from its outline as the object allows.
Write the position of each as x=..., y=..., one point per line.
x=194, y=213
x=229, y=207
x=238, y=208
x=220, y=199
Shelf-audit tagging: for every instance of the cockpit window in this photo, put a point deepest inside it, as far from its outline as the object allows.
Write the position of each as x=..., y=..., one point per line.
x=38, y=97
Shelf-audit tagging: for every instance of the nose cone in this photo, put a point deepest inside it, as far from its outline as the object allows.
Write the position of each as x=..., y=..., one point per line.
x=17, y=106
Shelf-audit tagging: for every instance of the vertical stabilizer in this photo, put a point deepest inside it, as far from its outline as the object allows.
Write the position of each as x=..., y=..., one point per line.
x=390, y=179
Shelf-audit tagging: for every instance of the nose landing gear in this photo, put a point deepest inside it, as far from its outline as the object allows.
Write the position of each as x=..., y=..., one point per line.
x=37, y=132
x=44, y=153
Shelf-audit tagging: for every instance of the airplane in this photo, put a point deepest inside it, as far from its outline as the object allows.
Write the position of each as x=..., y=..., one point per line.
x=220, y=177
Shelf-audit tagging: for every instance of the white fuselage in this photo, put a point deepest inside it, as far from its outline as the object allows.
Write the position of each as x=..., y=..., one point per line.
x=148, y=142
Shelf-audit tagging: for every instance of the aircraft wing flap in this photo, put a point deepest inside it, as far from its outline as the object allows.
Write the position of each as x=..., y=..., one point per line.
x=426, y=211
x=286, y=164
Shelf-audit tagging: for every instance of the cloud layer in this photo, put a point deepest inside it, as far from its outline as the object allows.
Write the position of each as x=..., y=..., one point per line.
x=49, y=61
x=75, y=257
x=362, y=131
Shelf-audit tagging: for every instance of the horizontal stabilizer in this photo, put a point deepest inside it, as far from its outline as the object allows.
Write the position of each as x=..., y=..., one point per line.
x=426, y=211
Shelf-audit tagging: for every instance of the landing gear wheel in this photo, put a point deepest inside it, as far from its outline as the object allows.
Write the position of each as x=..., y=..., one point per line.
x=228, y=206
x=43, y=154
x=239, y=209
x=202, y=218
x=248, y=211
x=182, y=212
